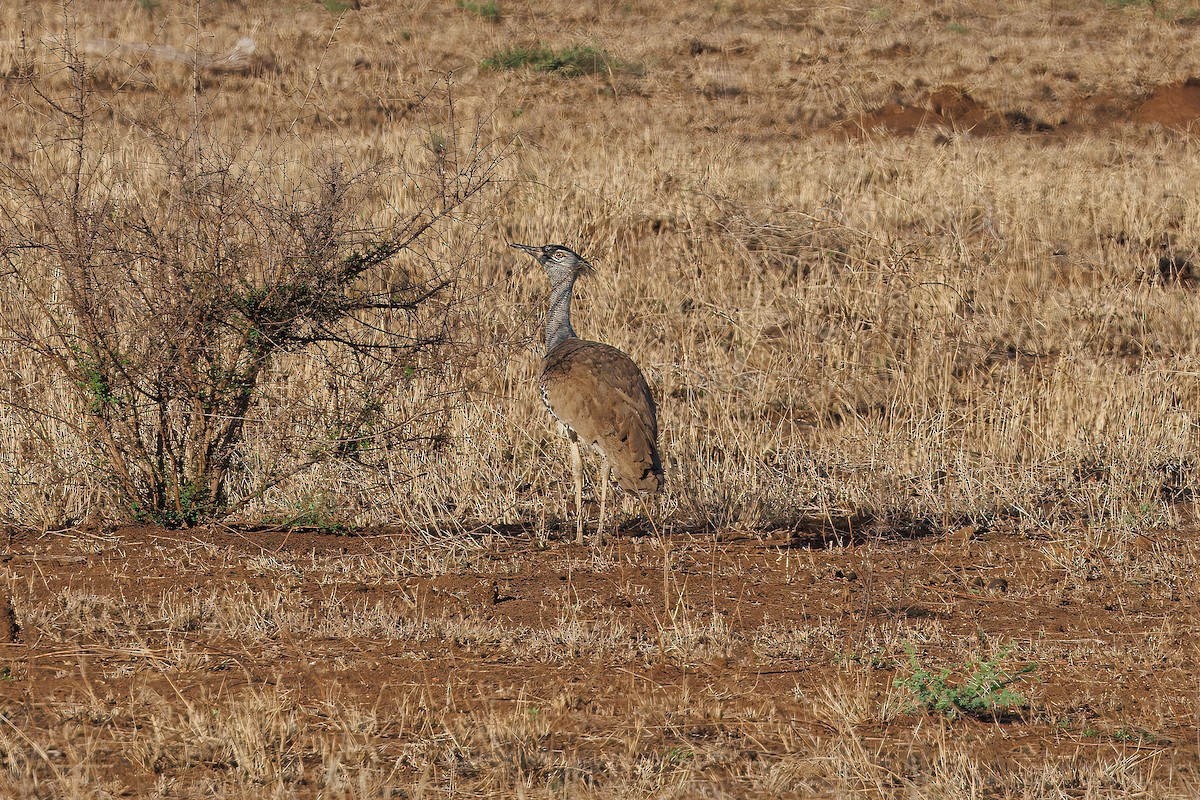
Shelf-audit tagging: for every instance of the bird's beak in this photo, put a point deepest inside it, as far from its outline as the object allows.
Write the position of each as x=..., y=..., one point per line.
x=533, y=251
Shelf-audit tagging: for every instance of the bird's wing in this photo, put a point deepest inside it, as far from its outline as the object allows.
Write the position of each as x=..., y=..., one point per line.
x=598, y=392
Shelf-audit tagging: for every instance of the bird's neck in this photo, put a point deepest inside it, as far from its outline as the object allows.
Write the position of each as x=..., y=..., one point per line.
x=558, y=321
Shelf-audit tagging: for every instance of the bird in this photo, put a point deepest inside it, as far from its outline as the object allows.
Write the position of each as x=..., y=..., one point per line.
x=596, y=393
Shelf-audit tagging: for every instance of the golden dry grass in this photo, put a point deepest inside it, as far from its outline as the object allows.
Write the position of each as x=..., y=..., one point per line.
x=931, y=326
x=906, y=334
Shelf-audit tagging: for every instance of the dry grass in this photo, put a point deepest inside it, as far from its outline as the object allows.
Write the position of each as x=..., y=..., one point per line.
x=911, y=328
x=852, y=340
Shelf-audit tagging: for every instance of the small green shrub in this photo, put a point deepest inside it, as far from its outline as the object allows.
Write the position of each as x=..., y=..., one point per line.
x=571, y=61
x=518, y=57
x=983, y=691
x=488, y=10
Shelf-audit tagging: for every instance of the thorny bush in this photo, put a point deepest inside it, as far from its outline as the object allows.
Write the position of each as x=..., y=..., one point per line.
x=189, y=294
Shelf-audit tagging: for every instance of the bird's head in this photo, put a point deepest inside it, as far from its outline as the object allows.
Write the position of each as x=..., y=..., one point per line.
x=559, y=262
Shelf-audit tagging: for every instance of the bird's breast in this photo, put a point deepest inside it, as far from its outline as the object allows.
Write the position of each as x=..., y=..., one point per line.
x=546, y=403
x=564, y=428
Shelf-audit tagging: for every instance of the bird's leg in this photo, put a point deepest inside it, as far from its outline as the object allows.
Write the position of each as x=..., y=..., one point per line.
x=604, y=476
x=646, y=511
x=577, y=468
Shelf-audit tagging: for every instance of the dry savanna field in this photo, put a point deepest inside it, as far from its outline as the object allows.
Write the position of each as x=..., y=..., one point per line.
x=915, y=285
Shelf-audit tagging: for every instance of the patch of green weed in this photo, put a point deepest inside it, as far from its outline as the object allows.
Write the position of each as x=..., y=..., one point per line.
x=193, y=505
x=570, y=61
x=983, y=688
x=488, y=10
x=315, y=512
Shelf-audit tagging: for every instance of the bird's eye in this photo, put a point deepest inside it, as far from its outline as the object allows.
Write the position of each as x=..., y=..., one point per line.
x=559, y=255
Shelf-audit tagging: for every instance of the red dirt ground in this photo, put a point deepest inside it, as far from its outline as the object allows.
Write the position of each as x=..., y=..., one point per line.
x=1176, y=105
x=1111, y=627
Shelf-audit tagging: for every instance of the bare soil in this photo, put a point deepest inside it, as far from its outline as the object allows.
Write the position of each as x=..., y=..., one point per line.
x=651, y=647
x=951, y=107
x=1176, y=105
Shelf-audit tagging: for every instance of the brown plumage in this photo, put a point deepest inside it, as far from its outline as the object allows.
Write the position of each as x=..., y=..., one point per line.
x=595, y=391
x=598, y=392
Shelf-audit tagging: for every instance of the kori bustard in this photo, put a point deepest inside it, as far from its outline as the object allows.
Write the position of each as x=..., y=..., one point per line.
x=596, y=392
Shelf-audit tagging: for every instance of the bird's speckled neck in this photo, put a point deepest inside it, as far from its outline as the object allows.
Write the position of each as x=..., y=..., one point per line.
x=558, y=321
